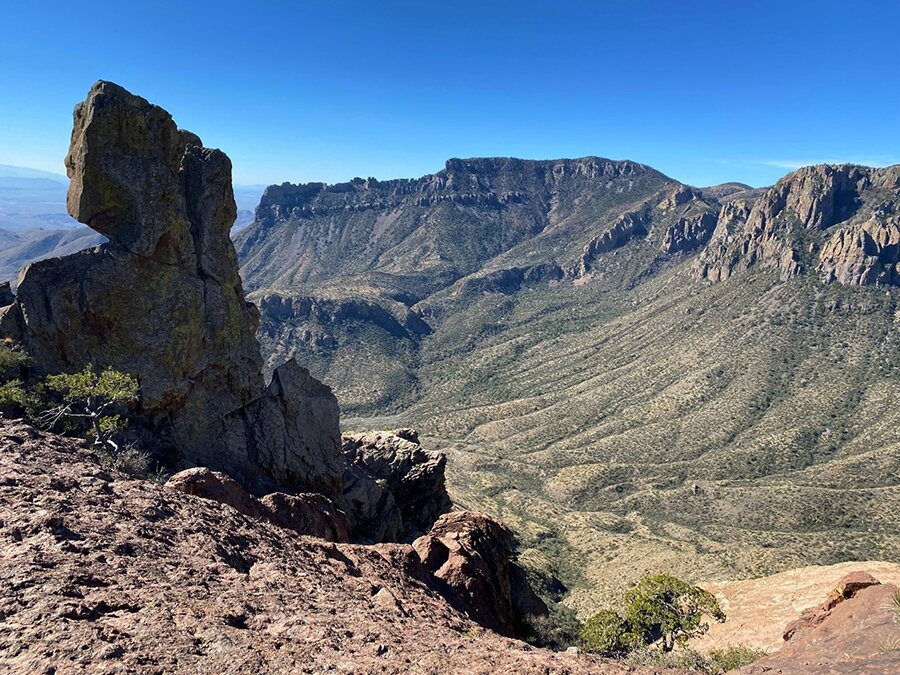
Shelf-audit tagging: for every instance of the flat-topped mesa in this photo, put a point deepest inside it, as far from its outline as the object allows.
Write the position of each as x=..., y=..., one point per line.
x=163, y=301
x=842, y=222
x=477, y=181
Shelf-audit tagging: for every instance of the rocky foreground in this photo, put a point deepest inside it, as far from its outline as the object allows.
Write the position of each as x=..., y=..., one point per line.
x=105, y=574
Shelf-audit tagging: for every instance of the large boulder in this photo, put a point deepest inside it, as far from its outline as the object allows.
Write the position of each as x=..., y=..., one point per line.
x=471, y=556
x=394, y=488
x=309, y=514
x=163, y=301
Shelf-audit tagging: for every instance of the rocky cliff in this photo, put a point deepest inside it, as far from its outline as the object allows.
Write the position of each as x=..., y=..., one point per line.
x=841, y=222
x=108, y=574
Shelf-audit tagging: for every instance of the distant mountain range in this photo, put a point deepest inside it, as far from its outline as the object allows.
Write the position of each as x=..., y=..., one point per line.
x=34, y=223
x=637, y=374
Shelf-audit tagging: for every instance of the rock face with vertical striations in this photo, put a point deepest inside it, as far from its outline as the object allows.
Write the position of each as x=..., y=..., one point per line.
x=840, y=221
x=163, y=301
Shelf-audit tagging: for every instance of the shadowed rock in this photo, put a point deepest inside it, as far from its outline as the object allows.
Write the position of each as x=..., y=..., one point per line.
x=470, y=554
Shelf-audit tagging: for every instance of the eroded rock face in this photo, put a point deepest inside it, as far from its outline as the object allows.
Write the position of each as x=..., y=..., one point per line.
x=840, y=221
x=472, y=554
x=163, y=301
x=394, y=488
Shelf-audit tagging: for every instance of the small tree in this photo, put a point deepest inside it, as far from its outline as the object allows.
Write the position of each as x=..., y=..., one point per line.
x=608, y=633
x=663, y=607
x=92, y=397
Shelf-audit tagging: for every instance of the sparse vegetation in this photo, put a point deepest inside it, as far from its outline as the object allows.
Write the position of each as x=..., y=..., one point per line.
x=92, y=397
x=659, y=610
x=731, y=658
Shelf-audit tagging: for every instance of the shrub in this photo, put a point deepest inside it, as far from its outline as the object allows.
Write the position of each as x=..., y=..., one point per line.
x=11, y=363
x=92, y=397
x=731, y=658
x=663, y=607
x=607, y=633
x=684, y=659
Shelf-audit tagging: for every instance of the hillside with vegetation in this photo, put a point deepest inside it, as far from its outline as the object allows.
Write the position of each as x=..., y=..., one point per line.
x=635, y=374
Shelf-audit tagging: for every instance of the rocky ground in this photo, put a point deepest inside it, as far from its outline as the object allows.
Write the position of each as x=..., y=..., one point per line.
x=106, y=574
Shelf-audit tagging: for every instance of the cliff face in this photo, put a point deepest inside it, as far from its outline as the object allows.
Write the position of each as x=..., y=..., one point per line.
x=841, y=222
x=163, y=301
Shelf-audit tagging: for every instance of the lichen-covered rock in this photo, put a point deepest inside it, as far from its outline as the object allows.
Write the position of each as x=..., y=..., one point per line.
x=471, y=553
x=394, y=487
x=163, y=301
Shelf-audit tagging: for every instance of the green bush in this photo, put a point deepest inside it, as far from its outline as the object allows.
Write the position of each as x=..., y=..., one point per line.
x=608, y=633
x=731, y=658
x=659, y=608
x=92, y=397
x=11, y=363
x=663, y=607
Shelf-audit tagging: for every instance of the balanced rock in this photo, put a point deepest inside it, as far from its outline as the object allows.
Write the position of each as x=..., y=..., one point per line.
x=163, y=301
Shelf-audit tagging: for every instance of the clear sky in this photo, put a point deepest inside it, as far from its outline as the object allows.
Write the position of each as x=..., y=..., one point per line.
x=704, y=91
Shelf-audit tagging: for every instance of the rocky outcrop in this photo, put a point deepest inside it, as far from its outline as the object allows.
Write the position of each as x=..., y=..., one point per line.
x=6, y=295
x=471, y=554
x=838, y=220
x=396, y=319
x=627, y=226
x=846, y=588
x=866, y=253
x=306, y=513
x=855, y=631
x=163, y=301
x=103, y=573
x=689, y=232
x=394, y=489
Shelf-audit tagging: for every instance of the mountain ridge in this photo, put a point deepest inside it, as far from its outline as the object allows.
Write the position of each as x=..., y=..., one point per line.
x=585, y=374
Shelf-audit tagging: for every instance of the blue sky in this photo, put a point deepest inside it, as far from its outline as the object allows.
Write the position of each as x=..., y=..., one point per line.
x=329, y=90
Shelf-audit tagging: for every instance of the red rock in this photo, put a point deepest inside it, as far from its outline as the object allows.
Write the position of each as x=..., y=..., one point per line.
x=216, y=486
x=307, y=513
x=847, y=587
x=470, y=554
x=855, y=631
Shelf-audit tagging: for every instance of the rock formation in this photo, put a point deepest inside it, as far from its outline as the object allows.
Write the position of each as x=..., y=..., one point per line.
x=471, y=554
x=306, y=513
x=840, y=221
x=407, y=494
x=163, y=301
x=854, y=631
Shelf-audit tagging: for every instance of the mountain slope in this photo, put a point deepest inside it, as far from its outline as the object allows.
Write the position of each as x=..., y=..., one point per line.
x=594, y=383
x=20, y=249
